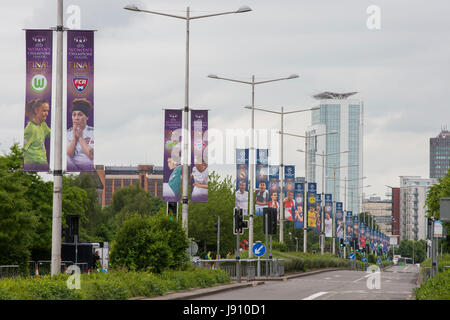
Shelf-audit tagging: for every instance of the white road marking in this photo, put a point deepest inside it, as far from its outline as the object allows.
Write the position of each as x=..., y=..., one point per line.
x=316, y=295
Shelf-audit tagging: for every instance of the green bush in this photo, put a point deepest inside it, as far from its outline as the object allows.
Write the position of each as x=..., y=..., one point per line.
x=305, y=262
x=116, y=285
x=437, y=288
x=150, y=243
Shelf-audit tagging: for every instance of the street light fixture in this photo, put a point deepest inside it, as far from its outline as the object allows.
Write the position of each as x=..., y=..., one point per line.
x=253, y=83
x=187, y=17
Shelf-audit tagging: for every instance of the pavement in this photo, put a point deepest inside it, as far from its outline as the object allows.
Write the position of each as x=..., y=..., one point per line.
x=196, y=293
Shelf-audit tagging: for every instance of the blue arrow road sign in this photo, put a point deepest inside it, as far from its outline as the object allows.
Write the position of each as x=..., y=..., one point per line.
x=364, y=259
x=259, y=249
x=379, y=260
x=351, y=256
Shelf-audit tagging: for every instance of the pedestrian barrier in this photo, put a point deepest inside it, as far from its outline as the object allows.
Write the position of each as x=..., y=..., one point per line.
x=9, y=271
x=248, y=267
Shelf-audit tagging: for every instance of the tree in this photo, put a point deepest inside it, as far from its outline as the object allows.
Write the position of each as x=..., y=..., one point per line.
x=17, y=224
x=203, y=216
x=432, y=203
x=416, y=250
x=128, y=201
x=149, y=243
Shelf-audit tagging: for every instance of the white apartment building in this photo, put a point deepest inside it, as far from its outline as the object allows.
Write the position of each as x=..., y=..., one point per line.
x=413, y=193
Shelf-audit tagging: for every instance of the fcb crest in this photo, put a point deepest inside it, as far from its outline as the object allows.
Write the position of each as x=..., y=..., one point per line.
x=80, y=83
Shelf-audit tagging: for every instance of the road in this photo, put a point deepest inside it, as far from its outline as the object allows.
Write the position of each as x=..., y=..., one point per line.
x=396, y=283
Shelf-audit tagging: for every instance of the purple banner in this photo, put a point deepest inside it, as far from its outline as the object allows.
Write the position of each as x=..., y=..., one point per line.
x=172, y=156
x=262, y=180
x=199, y=156
x=80, y=101
x=38, y=99
x=241, y=198
x=299, y=193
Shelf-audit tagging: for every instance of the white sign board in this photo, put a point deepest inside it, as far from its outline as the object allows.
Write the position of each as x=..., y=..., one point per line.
x=438, y=229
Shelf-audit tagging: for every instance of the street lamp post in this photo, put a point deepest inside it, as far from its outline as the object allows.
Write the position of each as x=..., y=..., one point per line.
x=57, y=170
x=307, y=136
x=253, y=83
x=282, y=113
x=187, y=18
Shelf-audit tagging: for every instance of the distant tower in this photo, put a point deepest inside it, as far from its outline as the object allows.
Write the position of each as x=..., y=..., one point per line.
x=345, y=116
x=440, y=154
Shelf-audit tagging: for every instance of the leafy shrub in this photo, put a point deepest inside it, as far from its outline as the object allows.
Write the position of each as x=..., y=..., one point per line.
x=150, y=243
x=436, y=288
x=116, y=285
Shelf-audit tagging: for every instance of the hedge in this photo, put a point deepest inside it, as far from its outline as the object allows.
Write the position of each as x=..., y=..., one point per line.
x=116, y=285
x=436, y=288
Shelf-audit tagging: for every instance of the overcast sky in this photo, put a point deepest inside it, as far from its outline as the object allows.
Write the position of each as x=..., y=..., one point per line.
x=401, y=71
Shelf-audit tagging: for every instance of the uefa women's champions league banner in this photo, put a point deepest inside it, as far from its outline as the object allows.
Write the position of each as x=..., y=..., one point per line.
x=199, y=156
x=38, y=100
x=349, y=227
x=318, y=213
x=367, y=236
x=241, y=197
x=362, y=237
x=328, y=222
x=299, y=193
x=372, y=239
x=262, y=181
x=312, y=207
x=339, y=221
x=288, y=190
x=274, y=188
x=172, y=155
x=80, y=100
x=356, y=228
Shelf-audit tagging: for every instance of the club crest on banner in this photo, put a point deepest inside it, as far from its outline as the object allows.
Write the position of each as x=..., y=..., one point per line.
x=80, y=83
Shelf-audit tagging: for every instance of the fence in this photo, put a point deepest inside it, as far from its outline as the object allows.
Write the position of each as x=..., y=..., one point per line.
x=248, y=267
x=44, y=267
x=8, y=271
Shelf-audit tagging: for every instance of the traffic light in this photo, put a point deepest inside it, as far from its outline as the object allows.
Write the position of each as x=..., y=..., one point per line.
x=341, y=242
x=239, y=223
x=72, y=230
x=172, y=207
x=271, y=220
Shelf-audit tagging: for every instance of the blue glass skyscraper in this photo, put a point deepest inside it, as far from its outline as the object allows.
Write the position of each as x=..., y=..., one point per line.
x=344, y=116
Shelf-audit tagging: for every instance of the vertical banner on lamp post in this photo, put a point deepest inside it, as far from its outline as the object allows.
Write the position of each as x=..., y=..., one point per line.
x=262, y=181
x=328, y=223
x=318, y=213
x=288, y=188
x=362, y=237
x=356, y=229
x=372, y=233
x=339, y=221
x=274, y=188
x=299, y=192
x=199, y=156
x=241, y=197
x=367, y=236
x=172, y=156
x=38, y=99
x=349, y=227
x=80, y=100
x=312, y=206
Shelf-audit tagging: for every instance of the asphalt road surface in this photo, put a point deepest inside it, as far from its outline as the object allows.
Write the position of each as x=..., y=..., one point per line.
x=396, y=283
